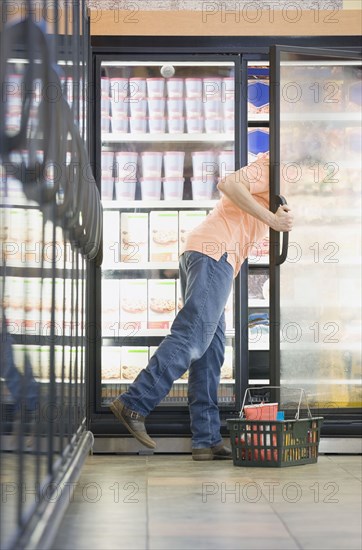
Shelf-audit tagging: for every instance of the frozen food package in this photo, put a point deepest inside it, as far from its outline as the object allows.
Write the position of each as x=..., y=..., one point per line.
x=133, y=306
x=258, y=90
x=110, y=307
x=133, y=360
x=229, y=311
x=258, y=288
x=32, y=306
x=14, y=303
x=161, y=303
x=134, y=237
x=36, y=357
x=354, y=97
x=111, y=240
x=227, y=367
x=179, y=301
x=188, y=220
x=111, y=363
x=163, y=236
x=258, y=142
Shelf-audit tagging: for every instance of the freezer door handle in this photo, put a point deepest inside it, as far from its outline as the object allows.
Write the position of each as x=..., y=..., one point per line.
x=280, y=259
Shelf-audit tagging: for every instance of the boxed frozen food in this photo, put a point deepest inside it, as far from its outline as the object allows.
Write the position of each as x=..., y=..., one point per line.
x=258, y=142
x=133, y=360
x=151, y=188
x=188, y=220
x=258, y=90
x=110, y=307
x=111, y=363
x=229, y=311
x=163, y=236
x=111, y=240
x=179, y=300
x=134, y=237
x=354, y=96
x=133, y=306
x=161, y=303
x=227, y=367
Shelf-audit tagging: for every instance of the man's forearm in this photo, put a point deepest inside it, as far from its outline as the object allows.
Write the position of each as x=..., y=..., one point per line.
x=243, y=199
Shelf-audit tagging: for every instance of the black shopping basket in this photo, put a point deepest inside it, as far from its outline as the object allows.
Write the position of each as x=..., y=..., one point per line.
x=275, y=443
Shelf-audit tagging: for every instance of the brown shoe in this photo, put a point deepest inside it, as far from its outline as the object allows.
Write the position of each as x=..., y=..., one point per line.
x=219, y=452
x=134, y=422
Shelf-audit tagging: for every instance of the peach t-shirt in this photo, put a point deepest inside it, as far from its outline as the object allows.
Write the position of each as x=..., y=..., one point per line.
x=229, y=229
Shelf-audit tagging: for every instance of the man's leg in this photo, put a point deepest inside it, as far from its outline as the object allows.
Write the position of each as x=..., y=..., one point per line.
x=207, y=284
x=204, y=378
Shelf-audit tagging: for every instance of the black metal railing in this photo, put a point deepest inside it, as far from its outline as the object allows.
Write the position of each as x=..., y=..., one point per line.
x=50, y=225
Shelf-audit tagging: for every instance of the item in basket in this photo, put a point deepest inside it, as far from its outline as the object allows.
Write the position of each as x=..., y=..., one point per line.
x=262, y=437
x=164, y=236
x=261, y=411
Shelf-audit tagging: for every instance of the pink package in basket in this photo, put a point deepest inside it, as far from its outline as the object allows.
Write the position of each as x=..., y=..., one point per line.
x=263, y=411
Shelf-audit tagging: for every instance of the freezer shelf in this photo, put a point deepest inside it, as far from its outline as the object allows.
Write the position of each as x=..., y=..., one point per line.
x=115, y=137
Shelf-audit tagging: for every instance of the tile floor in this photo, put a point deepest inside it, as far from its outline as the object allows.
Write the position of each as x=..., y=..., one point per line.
x=171, y=502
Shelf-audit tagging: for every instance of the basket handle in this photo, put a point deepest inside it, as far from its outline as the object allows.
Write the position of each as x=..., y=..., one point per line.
x=302, y=394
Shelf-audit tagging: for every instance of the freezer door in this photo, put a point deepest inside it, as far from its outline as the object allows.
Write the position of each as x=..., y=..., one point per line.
x=316, y=165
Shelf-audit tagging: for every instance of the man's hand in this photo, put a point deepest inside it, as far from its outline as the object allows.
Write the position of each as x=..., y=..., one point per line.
x=283, y=219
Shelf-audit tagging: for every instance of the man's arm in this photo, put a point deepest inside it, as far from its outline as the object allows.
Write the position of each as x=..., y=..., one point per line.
x=236, y=187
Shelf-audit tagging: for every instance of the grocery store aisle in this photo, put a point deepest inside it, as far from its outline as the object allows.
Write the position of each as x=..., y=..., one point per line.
x=170, y=502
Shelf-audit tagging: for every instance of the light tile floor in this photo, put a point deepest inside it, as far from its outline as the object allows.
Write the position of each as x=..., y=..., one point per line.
x=171, y=502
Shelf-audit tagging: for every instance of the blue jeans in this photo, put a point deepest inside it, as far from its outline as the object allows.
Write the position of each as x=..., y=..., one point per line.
x=196, y=342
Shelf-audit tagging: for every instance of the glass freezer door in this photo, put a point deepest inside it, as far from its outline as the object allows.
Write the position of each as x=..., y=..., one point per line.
x=167, y=134
x=316, y=166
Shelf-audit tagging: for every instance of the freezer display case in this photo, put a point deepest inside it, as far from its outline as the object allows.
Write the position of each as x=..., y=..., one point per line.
x=167, y=136
x=166, y=129
x=316, y=293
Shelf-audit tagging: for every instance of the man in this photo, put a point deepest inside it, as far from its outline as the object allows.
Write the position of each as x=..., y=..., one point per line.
x=212, y=257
